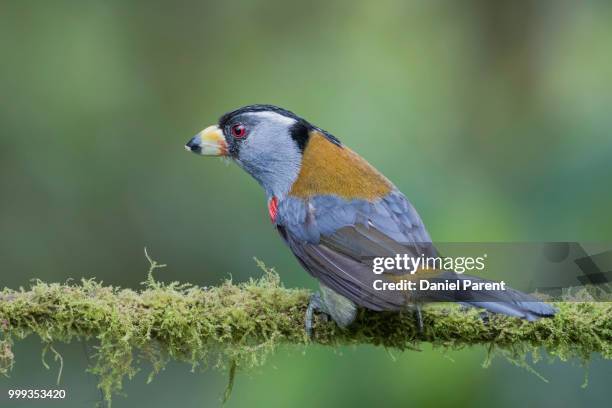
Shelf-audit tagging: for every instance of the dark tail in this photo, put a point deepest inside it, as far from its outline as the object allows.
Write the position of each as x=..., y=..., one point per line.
x=509, y=302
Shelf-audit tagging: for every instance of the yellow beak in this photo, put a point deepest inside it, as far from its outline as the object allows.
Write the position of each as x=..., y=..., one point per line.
x=209, y=142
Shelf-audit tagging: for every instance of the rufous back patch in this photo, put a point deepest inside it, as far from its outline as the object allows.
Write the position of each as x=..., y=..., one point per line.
x=337, y=170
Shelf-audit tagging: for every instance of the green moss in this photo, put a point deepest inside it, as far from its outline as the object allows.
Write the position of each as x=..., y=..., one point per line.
x=6, y=357
x=238, y=325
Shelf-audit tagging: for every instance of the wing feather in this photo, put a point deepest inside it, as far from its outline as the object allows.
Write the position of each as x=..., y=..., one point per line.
x=336, y=240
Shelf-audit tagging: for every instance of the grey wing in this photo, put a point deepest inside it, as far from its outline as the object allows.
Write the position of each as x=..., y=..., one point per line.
x=336, y=240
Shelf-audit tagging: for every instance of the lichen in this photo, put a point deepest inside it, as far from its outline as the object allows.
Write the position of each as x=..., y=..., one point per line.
x=237, y=326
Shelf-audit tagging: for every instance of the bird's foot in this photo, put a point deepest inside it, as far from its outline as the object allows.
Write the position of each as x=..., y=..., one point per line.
x=315, y=304
x=419, y=318
x=484, y=315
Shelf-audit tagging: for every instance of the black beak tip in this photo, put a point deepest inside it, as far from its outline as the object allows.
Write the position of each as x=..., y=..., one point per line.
x=193, y=146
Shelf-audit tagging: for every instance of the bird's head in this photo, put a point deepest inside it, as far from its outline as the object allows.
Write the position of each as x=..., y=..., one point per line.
x=265, y=140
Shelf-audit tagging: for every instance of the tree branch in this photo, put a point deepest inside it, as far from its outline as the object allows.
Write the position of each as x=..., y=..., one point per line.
x=239, y=324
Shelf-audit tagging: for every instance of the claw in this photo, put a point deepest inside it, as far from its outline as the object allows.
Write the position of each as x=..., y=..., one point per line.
x=484, y=315
x=314, y=305
x=419, y=318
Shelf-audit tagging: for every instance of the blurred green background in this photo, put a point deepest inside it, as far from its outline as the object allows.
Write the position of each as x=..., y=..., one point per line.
x=492, y=117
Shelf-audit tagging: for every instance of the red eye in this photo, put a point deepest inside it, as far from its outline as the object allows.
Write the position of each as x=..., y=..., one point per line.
x=239, y=131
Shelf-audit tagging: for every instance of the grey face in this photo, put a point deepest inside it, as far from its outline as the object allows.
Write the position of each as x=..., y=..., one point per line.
x=261, y=143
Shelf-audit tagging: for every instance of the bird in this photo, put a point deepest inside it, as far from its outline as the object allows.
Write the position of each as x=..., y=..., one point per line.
x=336, y=213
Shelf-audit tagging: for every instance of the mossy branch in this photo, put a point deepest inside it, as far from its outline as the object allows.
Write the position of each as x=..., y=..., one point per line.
x=237, y=325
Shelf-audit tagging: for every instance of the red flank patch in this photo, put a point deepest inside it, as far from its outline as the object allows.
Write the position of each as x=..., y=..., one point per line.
x=273, y=209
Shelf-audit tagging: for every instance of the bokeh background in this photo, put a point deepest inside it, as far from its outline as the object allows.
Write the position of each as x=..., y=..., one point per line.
x=492, y=117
